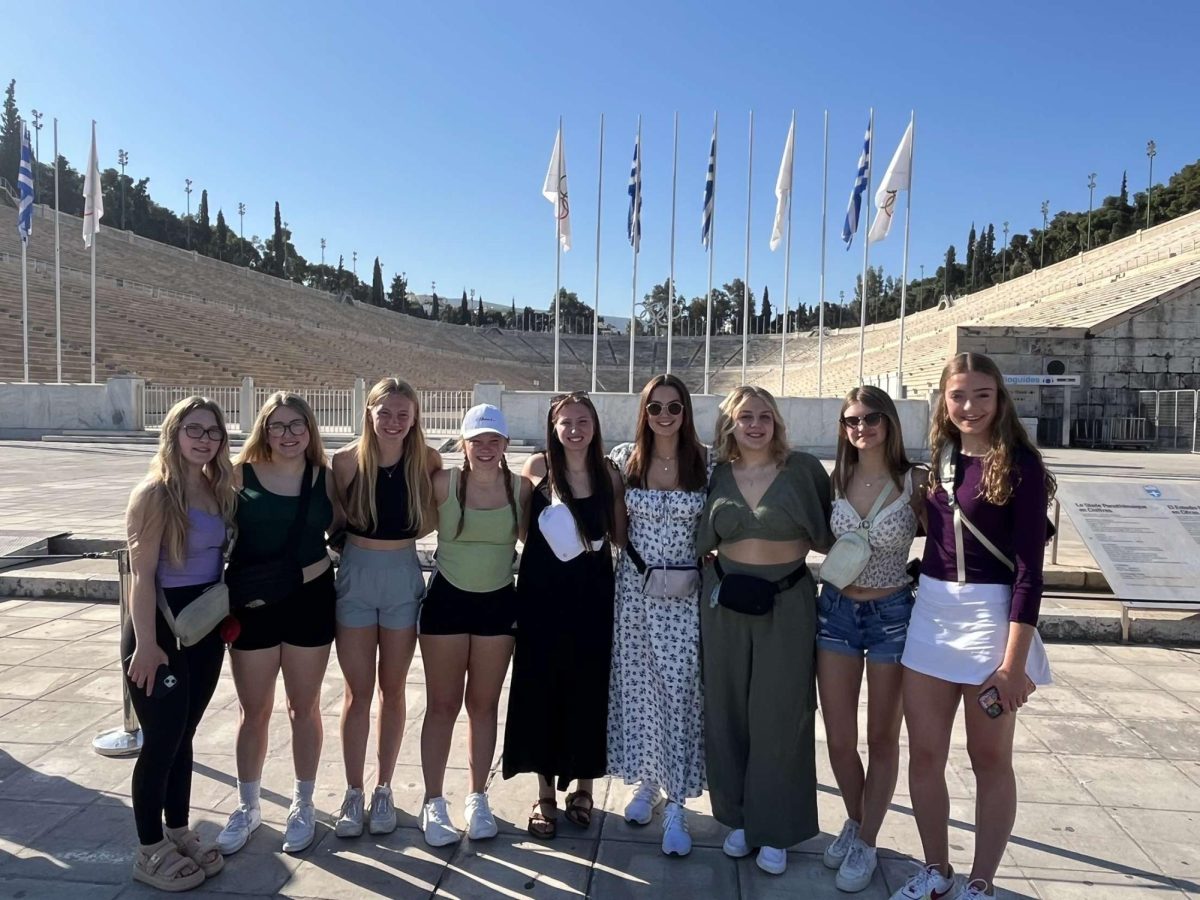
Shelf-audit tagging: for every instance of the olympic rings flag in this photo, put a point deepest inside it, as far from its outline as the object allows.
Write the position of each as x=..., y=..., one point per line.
x=555, y=190
x=897, y=178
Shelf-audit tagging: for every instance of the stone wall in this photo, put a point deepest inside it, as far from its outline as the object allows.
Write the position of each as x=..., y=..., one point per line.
x=31, y=410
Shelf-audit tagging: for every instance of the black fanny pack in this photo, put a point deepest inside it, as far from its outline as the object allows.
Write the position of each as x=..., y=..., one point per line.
x=252, y=585
x=749, y=594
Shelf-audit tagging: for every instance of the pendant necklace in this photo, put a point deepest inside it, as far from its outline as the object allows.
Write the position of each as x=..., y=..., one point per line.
x=391, y=470
x=665, y=460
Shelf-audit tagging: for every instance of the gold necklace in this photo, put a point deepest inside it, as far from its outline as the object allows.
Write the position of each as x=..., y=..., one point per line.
x=665, y=460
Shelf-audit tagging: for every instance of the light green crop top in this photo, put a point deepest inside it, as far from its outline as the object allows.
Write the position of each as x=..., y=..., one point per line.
x=796, y=506
x=480, y=559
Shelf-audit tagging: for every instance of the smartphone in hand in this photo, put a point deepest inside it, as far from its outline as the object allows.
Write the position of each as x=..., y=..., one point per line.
x=990, y=701
x=164, y=682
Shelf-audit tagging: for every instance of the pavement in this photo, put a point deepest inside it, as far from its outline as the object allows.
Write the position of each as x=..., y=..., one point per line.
x=1107, y=761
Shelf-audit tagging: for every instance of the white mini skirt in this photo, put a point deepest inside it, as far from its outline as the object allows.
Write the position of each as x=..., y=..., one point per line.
x=958, y=632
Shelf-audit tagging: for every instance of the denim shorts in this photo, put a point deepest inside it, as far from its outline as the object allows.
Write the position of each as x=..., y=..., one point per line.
x=876, y=628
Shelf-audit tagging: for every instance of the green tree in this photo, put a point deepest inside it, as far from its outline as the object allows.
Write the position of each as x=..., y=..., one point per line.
x=277, y=251
x=434, y=312
x=512, y=321
x=377, y=298
x=739, y=301
x=204, y=233
x=10, y=136
x=222, y=235
x=765, y=314
x=970, y=264
x=398, y=294
x=950, y=267
x=464, y=310
x=479, y=312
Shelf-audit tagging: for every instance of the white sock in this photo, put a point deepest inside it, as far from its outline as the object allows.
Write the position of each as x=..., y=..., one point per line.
x=304, y=790
x=248, y=793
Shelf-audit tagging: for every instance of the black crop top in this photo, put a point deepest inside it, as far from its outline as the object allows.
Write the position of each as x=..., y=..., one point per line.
x=391, y=508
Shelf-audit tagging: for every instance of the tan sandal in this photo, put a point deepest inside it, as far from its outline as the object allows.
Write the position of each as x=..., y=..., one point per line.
x=162, y=866
x=206, y=856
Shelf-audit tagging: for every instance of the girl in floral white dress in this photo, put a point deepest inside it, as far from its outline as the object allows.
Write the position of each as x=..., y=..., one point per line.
x=656, y=705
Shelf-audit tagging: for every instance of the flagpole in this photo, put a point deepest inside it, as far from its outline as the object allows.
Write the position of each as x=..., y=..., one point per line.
x=821, y=291
x=57, y=267
x=746, y=283
x=636, y=241
x=862, y=313
x=712, y=237
x=787, y=270
x=596, y=308
x=557, y=262
x=671, y=284
x=912, y=123
x=95, y=235
x=24, y=312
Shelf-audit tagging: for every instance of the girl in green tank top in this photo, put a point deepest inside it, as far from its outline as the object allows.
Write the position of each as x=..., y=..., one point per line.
x=467, y=616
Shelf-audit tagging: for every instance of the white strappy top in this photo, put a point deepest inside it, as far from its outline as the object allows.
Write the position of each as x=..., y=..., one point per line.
x=890, y=536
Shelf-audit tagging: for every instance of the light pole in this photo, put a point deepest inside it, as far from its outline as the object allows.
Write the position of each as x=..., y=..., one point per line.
x=1045, y=214
x=841, y=306
x=1091, y=194
x=1151, y=151
x=242, y=232
x=354, y=264
x=123, y=159
x=322, y=252
x=187, y=189
x=37, y=144
x=285, y=243
x=921, y=295
x=1004, y=255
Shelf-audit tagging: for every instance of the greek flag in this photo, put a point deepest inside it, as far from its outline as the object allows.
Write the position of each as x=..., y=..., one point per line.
x=850, y=227
x=710, y=185
x=633, y=224
x=25, y=186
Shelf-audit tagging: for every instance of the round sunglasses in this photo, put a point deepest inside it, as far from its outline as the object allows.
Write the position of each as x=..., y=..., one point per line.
x=673, y=408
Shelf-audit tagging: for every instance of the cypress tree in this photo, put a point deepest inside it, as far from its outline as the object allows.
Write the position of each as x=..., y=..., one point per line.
x=971, y=255
x=464, y=310
x=222, y=234
x=377, y=285
x=204, y=233
x=10, y=135
x=435, y=312
x=277, y=244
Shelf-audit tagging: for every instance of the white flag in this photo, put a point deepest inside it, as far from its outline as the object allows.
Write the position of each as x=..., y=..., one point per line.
x=555, y=190
x=897, y=178
x=93, y=198
x=783, y=188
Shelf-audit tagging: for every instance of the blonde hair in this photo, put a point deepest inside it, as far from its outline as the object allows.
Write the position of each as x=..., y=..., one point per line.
x=725, y=445
x=360, y=504
x=876, y=400
x=257, y=447
x=1007, y=436
x=165, y=483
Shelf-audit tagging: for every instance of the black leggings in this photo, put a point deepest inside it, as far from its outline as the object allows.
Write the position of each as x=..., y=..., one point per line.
x=162, y=777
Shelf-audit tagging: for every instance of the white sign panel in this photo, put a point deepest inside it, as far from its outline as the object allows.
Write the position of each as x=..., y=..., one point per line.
x=1145, y=536
x=1042, y=380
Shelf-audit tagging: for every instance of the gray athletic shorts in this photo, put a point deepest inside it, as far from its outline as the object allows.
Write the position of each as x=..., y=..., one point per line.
x=379, y=587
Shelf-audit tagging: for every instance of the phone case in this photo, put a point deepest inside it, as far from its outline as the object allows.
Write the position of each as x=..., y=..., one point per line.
x=164, y=682
x=990, y=701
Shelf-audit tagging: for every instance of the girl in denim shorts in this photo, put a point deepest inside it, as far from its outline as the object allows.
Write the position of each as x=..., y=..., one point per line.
x=868, y=618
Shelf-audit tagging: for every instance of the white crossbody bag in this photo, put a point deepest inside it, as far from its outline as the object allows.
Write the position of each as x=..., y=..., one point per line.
x=851, y=552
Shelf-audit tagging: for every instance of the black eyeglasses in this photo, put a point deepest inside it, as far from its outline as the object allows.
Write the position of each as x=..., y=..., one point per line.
x=296, y=427
x=673, y=408
x=870, y=420
x=212, y=432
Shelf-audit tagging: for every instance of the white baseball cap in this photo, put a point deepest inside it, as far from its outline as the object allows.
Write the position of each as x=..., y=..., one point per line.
x=484, y=419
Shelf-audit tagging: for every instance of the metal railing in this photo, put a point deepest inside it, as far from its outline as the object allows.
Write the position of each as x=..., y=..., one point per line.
x=1173, y=414
x=333, y=407
x=158, y=399
x=443, y=410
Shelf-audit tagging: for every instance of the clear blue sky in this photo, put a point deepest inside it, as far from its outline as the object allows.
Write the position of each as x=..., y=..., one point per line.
x=441, y=117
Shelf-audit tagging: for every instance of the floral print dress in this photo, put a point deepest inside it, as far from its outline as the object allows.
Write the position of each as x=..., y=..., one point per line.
x=655, y=700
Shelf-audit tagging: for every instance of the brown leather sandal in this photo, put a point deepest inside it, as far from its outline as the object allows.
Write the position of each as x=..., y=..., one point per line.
x=578, y=808
x=541, y=826
x=162, y=866
x=206, y=856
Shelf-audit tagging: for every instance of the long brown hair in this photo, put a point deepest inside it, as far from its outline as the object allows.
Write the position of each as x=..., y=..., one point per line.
x=690, y=455
x=360, y=504
x=597, y=465
x=167, y=482
x=876, y=400
x=726, y=444
x=461, y=493
x=1007, y=435
x=258, y=449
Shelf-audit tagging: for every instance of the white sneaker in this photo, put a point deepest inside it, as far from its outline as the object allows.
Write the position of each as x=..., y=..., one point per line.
x=301, y=826
x=927, y=883
x=434, y=821
x=242, y=823
x=350, y=815
x=735, y=844
x=857, y=868
x=675, y=841
x=640, y=809
x=772, y=860
x=481, y=824
x=836, y=852
x=382, y=818
x=976, y=890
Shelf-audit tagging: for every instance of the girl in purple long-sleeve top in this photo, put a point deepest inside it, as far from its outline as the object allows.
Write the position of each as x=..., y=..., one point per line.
x=973, y=635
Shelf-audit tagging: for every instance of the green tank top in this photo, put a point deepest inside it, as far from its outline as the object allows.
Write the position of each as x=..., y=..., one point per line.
x=264, y=519
x=480, y=558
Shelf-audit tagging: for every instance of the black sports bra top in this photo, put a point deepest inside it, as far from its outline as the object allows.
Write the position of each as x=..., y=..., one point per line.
x=391, y=508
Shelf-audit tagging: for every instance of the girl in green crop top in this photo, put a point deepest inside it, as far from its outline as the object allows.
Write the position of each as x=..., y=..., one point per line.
x=466, y=620
x=766, y=509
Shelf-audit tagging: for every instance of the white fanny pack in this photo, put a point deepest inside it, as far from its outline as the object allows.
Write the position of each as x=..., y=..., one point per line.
x=851, y=552
x=560, y=531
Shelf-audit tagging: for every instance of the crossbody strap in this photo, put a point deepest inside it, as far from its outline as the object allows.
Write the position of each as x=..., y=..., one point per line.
x=306, y=487
x=877, y=505
x=947, y=473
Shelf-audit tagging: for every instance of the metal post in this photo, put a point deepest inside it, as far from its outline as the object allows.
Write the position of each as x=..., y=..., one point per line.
x=746, y=283
x=1091, y=196
x=1151, y=151
x=126, y=740
x=1057, y=532
x=1045, y=214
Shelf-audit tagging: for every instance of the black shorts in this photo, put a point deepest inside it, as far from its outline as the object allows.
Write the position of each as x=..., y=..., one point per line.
x=305, y=619
x=450, y=610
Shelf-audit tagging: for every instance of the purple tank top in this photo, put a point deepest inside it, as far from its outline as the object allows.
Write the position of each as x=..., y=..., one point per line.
x=202, y=565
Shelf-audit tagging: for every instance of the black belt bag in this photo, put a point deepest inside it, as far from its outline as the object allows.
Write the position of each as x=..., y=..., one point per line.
x=254, y=585
x=749, y=594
